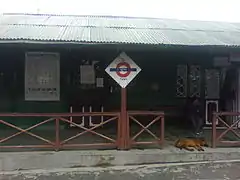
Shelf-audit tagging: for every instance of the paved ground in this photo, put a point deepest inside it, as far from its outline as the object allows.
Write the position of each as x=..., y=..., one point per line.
x=201, y=171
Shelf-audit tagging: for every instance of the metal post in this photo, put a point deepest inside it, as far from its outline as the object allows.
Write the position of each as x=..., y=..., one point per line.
x=102, y=109
x=124, y=136
x=83, y=117
x=90, y=117
x=71, y=118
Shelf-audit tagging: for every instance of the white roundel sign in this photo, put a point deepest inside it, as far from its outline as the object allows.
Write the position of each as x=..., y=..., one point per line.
x=123, y=70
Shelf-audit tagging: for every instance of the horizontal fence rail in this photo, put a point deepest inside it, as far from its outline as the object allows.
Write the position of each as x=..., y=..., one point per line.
x=56, y=118
x=230, y=121
x=157, y=137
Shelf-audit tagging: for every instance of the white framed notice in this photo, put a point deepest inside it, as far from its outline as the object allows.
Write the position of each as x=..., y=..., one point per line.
x=87, y=74
x=42, y=76
x=99, y=82
x=210, y=107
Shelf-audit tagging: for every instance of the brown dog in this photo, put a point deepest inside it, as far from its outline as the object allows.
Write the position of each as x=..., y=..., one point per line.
x=191, y=143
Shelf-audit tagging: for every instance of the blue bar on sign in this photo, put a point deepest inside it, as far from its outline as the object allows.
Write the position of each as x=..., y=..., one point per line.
x=122, y=69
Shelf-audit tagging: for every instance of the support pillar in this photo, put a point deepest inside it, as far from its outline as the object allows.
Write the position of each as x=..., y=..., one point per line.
x=124, y=124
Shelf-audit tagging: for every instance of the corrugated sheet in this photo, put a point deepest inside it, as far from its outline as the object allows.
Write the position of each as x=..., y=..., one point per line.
x=93, y=29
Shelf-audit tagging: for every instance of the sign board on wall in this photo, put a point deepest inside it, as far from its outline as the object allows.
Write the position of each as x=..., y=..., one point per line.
x=42, y=76
x=123, y=69
x=221, y=61
x=234, y=57
x=87, y=74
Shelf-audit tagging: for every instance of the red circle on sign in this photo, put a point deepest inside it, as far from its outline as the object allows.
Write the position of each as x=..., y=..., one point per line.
x=125, y=74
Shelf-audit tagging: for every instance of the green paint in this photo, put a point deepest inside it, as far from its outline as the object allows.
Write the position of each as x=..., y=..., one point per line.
x=157, y=67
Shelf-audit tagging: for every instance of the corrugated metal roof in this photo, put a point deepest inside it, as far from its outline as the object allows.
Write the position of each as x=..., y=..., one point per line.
x=107, y=29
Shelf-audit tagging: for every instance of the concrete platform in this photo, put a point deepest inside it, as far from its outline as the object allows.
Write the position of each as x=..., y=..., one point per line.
x=218, y=170
x=12, y=161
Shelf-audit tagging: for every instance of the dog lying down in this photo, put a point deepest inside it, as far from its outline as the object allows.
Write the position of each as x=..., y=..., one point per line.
x=191, y=143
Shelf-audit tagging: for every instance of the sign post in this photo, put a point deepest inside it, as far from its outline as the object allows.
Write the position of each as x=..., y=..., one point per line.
x=123, y=70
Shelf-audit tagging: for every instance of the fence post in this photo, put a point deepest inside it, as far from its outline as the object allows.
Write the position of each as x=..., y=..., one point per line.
x=214, y=130
x=57, y=140
x=162, y=129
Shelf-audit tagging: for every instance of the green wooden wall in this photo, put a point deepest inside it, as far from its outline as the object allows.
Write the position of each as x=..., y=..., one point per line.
x=157, y=67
